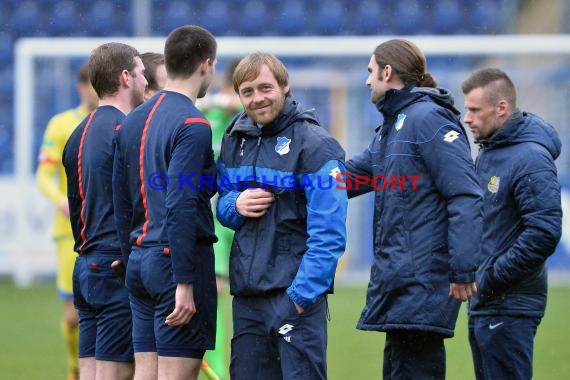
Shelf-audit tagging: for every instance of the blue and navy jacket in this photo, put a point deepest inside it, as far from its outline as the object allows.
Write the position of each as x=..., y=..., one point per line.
x=88, y=161
x=297, y=243
x=522, y=217
x=164, y=177
x=427, y=212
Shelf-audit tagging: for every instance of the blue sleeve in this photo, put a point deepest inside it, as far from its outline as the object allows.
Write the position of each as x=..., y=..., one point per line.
x=326, y=227
x=537, y=196
x=122, y=206
x=447, y=155
x=360, y=165
x=190, y=149
x=226, y=211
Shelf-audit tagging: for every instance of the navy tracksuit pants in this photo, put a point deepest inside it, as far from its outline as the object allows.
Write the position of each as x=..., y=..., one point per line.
x=413, y=355
x=502, y=346
x=272, y=341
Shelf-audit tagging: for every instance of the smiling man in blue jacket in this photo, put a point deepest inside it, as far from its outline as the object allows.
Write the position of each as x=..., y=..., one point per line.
x=277, y=184
x=522, y=224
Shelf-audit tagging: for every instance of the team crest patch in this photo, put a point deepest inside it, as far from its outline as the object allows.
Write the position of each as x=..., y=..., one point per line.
x=282, y=146
x=493, y=185
x=400, y=121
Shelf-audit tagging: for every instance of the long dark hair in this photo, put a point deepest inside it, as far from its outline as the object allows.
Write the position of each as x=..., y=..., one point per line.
x=407, y=61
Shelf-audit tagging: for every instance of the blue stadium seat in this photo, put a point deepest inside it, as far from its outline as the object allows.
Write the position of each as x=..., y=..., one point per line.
x=408, y=17
x=101, y=19
x=27, y=20
x=329, y=18
x=447, y=17
x=369, y=18
x=290, y=18
x=177, y=13
x=217, y=19
x=6, y=50
x=254, y=19
x=6, y=121
x=63, y=19
x=6, y=84
x=5, y=16
x=483, y=17
x=6, y=139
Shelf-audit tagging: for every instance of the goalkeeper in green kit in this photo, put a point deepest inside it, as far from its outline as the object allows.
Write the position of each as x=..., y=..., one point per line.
x=220, y=109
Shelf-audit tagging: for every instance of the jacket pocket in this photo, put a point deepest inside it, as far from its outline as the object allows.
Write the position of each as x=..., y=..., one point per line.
x=487, y=286
x=284, y=311
x=237, y=272
x=282, y=260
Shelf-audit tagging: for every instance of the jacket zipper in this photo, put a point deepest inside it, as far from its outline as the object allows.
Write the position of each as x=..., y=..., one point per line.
x=249, y=282
x=255, y=157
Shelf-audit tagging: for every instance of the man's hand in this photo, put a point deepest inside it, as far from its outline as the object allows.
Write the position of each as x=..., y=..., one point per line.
x=462, y=291
x=63, y=207
x=118, y=268
x=221, y=284
x=184, y=308
x=254, y=203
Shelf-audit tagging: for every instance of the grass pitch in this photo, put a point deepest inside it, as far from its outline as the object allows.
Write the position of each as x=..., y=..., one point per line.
x=33, y=349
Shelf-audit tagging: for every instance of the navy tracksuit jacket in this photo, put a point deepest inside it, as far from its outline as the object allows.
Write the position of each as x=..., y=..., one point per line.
x=427, y=234
x=522, y=217
x=296, y=245
x=88, y=161
x=163, y=181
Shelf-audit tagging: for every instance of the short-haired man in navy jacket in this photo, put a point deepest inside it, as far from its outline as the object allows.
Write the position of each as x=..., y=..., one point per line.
x=277, y=184
x=521, y=227
x=100, y=297
x=164, y=216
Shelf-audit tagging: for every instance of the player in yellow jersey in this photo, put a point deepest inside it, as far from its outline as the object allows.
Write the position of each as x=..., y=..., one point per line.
x=50, y=178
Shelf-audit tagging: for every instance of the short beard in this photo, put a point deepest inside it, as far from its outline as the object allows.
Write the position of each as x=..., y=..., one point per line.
x=137, y=99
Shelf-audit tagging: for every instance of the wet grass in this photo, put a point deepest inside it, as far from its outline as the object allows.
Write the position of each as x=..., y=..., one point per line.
x=32, y=348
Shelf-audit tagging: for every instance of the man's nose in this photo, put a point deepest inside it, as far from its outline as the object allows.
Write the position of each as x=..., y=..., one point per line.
x=257, y=97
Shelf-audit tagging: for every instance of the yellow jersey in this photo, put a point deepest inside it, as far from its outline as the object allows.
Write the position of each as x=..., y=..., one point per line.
x=50, y=176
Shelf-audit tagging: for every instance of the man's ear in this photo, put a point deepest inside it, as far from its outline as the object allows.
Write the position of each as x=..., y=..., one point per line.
x=503, y=108
x=124, y=78
x=204, y=66
x=387, y=72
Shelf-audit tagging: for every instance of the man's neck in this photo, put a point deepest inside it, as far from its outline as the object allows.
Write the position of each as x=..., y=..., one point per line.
x=122, y=103
x=188, y=87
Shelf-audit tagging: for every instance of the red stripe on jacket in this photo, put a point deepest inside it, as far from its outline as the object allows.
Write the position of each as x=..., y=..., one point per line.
x=80, y=179
x=191, y=120
x=141, y=168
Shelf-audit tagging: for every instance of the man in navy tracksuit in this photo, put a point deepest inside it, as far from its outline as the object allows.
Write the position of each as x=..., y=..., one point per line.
x=278, y=191
x=522, y=225
x=427, y=216
x=164, y=176
x=105, y=346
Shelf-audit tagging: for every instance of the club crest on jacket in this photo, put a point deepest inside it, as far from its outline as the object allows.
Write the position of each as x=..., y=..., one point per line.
x=282, y=146
x=400, y=121
x=493, y=185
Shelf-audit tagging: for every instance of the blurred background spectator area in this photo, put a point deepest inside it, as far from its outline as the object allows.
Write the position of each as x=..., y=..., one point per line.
x=129, y=18
x=333, y=85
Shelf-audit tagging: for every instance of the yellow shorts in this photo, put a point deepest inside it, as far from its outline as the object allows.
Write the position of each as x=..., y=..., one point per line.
x=65, y=263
